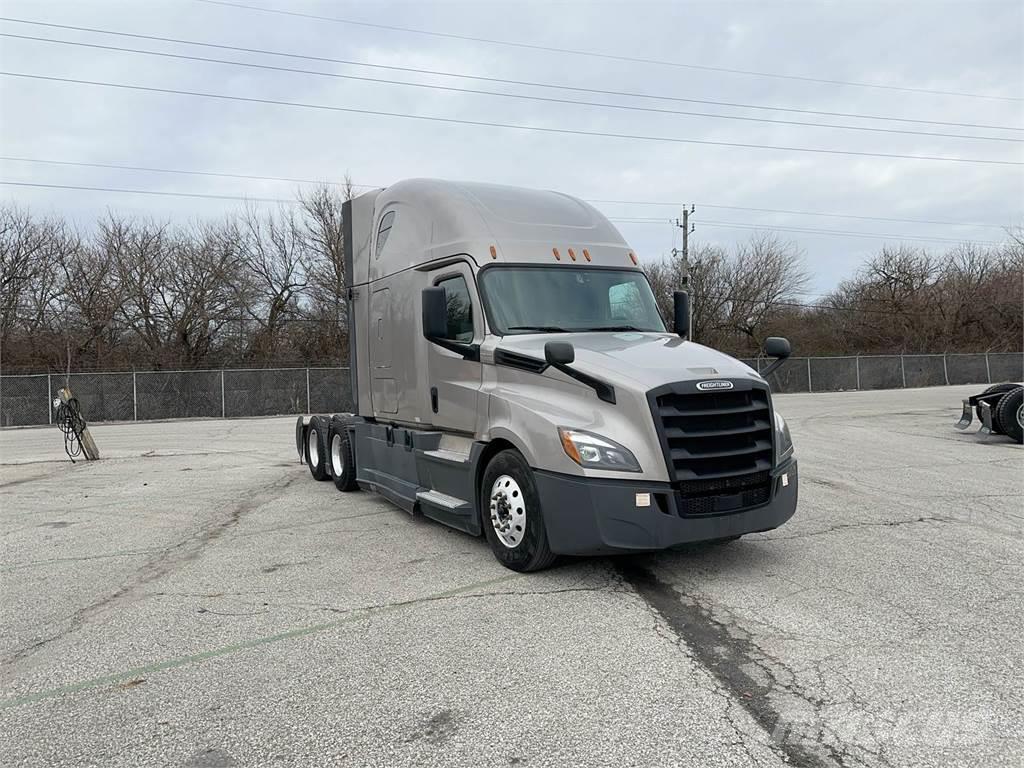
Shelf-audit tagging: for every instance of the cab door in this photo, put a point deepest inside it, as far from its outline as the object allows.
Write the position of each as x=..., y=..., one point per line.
x=454, y=381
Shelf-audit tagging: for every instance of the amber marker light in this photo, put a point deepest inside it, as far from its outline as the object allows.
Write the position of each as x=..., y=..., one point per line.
x=494, y=252
x=586, y=254
x=632, y=257
x=572, y=254
x=569, y=446
x=558, y=256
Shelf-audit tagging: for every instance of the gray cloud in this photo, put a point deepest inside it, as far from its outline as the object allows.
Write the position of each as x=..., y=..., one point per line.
x=954, y=47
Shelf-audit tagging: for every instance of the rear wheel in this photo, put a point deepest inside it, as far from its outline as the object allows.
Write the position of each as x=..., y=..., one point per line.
x=1009, y=412
x=316, y=447
x=513, y=520
x=343, y=465
x=1004, y=387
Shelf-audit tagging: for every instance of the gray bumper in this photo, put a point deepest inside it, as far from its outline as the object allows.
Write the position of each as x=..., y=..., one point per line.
x=587, y=516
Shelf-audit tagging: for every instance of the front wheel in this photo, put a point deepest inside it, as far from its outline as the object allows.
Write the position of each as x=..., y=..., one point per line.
x=512, y=517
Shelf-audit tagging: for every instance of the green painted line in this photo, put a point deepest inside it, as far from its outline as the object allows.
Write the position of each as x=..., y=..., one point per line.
x=195, y=658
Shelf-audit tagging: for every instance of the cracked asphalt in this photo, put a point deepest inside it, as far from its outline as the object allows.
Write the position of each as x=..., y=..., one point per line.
x=196, y=599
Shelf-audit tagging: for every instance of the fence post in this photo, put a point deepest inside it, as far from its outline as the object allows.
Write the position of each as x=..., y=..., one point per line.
x=49, y=398
x=135, y=397
x=809, y=387
x=945, y=370
x=988, y=369
x=307, y=391
x=903, y=371
x=223, y=401
x=856, y=360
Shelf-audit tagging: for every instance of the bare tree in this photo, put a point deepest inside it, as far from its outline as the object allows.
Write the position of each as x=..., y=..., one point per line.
x=23, y=243
x=324, y=232
x=733, y=297
x=273, y=251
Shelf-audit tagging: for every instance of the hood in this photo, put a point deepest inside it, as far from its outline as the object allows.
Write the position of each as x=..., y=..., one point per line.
x=637, y=360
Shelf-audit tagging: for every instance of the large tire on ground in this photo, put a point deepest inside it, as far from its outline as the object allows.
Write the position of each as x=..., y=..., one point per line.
x=1004, y=387
x=1009, y=413
x=300, y=438
x=343, y=464
x=512, y=517
x=316, y=447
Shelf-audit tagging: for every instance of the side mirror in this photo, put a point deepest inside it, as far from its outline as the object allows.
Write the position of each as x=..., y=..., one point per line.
x=559, y=353
x=435, y=313
x=777, y=347
x=681, y=313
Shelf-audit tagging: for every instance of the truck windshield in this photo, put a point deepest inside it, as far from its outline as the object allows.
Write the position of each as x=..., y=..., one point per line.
x=563, y=299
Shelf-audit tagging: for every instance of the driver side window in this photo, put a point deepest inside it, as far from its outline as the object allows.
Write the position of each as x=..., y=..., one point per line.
x=460, y=308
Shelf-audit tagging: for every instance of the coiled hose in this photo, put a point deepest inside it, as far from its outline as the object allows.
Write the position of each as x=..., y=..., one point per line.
x=69, y=421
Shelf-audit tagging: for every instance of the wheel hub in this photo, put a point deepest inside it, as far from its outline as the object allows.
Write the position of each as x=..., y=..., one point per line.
x=508, y=511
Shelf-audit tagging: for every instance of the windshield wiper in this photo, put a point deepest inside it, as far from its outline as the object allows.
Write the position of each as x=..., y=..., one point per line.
x=617, y=328
x=539, y=328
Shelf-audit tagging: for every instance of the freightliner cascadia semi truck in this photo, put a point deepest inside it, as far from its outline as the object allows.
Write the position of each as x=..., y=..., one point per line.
x=512, y=378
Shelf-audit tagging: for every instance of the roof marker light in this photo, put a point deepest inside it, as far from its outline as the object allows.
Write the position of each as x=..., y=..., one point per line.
x=572, y=254
x=632, y=257
x=558, y=257
x=494, y=252
x=586, y=254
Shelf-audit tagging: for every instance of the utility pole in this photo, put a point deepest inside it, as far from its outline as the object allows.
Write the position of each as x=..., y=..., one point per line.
x=687, y=228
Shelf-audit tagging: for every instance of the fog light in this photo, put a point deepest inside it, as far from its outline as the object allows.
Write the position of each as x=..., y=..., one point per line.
x=785, y=479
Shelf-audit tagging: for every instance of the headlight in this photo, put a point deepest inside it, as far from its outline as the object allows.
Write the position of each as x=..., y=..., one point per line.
x=783, y=441
x=596, y=452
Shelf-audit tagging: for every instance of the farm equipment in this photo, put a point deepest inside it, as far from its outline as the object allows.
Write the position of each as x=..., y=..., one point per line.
x=1000, y=409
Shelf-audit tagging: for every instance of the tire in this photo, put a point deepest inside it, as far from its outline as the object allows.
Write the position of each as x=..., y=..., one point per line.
x=316, y=447
x=1004, y=387
x=300, y=433
x=342, y=458
x=511, y=514
x=1009, y=414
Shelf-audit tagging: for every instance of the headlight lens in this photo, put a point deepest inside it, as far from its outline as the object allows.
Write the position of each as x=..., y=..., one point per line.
x=783, y=441
x=596, y=452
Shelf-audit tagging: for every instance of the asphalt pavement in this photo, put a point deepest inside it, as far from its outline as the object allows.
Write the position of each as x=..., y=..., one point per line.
x=196, y=599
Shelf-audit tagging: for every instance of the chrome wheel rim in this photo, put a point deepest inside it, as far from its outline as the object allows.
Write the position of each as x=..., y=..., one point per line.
x=508, y=511
x=337, y=464
x=313, y=447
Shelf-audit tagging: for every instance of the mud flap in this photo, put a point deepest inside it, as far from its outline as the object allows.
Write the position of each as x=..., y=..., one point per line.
x=967, y=416
x=986, y=419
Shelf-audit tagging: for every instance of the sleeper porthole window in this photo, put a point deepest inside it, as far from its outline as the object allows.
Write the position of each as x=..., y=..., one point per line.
x=384, y=230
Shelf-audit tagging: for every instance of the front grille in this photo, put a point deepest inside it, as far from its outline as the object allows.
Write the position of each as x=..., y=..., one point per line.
x=718, y=445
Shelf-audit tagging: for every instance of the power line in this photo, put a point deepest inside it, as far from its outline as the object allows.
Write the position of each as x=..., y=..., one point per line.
x=530, y=83
x=286, y=201
x=148, y=169
x=643, y=219
x=525, y=97
x=292, y=202
x=613, y=57
x=804, y=230
x=293, y=179
x=147, y=192
x=808, y=213
x=513, y=126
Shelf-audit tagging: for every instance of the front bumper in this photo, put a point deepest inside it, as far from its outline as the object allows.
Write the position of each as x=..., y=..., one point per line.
x=589, y=516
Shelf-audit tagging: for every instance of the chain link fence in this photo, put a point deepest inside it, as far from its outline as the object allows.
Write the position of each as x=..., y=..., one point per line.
x=142, y=396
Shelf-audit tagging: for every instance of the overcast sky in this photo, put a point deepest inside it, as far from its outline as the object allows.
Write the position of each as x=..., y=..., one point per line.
x=959, y=48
